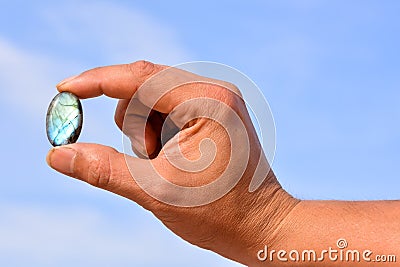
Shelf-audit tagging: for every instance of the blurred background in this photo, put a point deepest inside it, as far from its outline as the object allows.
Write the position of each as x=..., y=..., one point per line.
x=330, y=71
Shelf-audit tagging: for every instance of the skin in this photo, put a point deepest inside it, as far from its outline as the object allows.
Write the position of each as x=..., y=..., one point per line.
x=239, y=224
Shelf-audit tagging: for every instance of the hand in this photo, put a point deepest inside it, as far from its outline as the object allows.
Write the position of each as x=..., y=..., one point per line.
x=212, y=148
x=200, y=151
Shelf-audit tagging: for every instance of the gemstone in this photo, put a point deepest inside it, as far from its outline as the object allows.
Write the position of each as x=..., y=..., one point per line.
x=64, y=119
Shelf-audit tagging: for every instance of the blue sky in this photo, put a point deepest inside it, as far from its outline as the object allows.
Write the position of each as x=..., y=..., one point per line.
x=329, y=70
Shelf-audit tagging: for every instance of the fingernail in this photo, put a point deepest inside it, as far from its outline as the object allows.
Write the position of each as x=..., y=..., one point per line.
x=63, y=82
x=62, y=159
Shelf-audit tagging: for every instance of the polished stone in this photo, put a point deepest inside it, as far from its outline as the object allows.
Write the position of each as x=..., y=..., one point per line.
x=64, y=119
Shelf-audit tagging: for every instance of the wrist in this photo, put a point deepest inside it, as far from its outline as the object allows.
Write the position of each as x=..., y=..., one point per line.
x=270, y=207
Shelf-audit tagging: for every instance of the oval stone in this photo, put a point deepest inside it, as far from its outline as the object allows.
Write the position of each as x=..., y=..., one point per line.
x=64, y=119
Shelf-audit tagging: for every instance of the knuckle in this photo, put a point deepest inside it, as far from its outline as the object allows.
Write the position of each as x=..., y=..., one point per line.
x=228, y=93
x=224, y=91
x=226, y=88
x=233, y=88
x=142, y=67
x=99, y=173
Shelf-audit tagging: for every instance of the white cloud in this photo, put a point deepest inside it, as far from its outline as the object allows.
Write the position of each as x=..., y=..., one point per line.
x=115, y=33
x=47, y=236
x=25, y=79
x=28, y=80
x=65, y=236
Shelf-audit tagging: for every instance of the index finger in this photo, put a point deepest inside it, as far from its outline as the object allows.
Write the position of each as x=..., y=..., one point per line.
x=159, y=87
x=117, y=81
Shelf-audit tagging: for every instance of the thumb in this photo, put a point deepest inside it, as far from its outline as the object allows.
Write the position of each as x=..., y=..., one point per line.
x=100, y=166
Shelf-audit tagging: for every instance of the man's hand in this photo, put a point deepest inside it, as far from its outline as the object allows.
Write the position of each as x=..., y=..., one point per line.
x=202, y=172
x=213, y=138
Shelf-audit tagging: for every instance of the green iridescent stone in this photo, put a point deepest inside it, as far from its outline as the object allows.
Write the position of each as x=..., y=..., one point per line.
x=64, y=119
